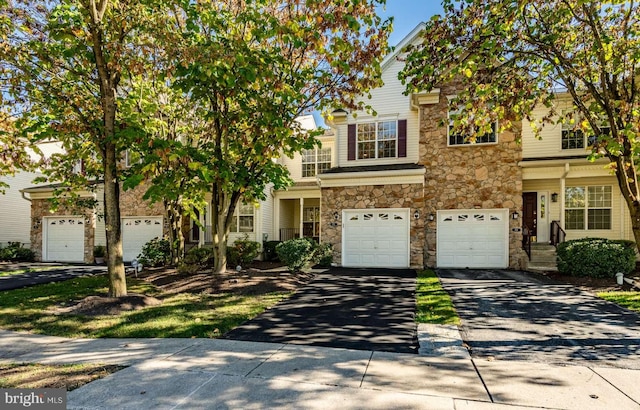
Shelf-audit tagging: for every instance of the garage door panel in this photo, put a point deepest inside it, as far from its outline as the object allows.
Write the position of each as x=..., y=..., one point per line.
x=376, y=238
x=136, y=231
x=64, y=240
x=473, y=239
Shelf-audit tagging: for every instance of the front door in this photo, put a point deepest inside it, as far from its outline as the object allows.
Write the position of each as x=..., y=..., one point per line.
x=530, y=213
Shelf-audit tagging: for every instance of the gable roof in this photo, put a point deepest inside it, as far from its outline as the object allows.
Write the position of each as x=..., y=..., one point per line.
x=408, y=39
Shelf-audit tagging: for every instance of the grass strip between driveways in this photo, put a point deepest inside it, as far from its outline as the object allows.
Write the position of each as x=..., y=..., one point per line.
x=433, y=304
x=629, y=300
x=180, y=315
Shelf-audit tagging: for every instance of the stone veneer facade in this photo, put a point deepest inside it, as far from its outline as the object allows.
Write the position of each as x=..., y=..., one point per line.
x=483, y=176
x=373, y=196
x=131, y=204
x=41, y=208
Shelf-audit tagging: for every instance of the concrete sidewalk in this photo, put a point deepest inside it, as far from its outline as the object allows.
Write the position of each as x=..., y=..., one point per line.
x=214, y=373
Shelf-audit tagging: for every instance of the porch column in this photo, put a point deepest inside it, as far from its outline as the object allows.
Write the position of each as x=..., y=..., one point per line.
x=202, y=219
x=562, y=193
x=301, y=219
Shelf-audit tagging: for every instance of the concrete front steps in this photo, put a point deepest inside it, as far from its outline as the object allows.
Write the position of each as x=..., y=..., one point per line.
x=543, y=258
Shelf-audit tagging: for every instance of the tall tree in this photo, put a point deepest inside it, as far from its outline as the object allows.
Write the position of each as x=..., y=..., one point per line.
x=518, y=53
x=251, y=68
x=66, y=64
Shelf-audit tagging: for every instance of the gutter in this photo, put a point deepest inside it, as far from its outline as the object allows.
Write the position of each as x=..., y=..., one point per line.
x=22, y=193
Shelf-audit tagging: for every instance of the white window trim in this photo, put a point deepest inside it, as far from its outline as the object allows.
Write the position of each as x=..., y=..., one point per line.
x=127, y=160
x=586, y=208
x=468, y=143
x=237, y=215
x=315, y=161
x=376, y=140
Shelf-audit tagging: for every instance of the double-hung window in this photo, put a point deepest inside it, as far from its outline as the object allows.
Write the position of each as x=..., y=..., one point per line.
x=575, y=138
x=243, y=219
x=457, y=138
x=315, y=161
x=377, y=139
x=588, y=208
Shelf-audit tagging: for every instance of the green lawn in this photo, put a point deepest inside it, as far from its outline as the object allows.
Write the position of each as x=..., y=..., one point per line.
x=629, y=300
x=181, y=315
x=433, y=304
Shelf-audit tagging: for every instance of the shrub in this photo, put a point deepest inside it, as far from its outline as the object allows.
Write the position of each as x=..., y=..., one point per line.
x=156, y=252
x=16, y=253
x=202, y=257
x=595, y=257
x=302, y=253
x=324, y=254
x=242, y=252
x=99, y=251
x=269, y=250
x=296, y=253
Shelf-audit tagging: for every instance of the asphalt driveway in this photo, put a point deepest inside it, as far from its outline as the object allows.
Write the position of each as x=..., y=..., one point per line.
x=39, y=273
x=365, y=309
x=511, y=315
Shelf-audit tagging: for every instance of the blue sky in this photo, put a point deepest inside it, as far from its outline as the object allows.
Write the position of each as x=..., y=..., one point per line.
x=407, y=14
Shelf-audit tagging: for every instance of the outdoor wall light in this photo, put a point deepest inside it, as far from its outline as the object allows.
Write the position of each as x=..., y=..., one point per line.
x=431, y=217
x=554, y=197
x=515, y=215
x=336, y=216
x=416, y=214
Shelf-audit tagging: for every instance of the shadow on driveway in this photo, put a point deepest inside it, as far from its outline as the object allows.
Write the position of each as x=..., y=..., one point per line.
x=514, y=315
x=44, y=273
x=366, y=309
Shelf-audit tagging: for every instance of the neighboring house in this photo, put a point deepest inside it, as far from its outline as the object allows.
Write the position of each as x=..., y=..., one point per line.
x=560, y=184
x=15, y=215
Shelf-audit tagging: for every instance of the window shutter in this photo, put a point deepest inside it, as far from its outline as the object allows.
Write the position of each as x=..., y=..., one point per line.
x=402, y=138
x=351, y=142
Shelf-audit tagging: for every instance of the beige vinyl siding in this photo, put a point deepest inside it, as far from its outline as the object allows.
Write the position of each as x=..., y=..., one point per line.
x=389, y=103
x=550, y=142
x=15, y=211
x=266, y=215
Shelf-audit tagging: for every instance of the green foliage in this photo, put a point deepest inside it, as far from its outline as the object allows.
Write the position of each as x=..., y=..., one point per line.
x=433, y=304
x=269, y=250
x=156, y=252
x=302, y=253
x=628, y=299
x=242, y=252
x=595, y=257
x=99, y=251
x=16, y=253
x=197, y=259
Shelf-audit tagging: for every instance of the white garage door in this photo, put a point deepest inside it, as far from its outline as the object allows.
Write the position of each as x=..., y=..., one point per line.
x=375, y=238
x=64, y=239
x=138, y=231
x=477, y=238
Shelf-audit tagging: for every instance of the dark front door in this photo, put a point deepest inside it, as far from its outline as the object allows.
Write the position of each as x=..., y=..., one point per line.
x=530, y=213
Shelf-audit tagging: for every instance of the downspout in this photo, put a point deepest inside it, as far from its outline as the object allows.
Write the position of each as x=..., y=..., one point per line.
x=22, y=193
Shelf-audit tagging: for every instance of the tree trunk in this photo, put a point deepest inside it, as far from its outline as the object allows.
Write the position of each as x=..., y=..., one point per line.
x=108, y=81
x=220, y=237
x=115, y=264
x=176, y=237
x=627, y=182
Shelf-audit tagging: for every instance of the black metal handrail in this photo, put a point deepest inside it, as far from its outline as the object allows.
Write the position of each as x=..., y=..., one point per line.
x=558, y=234
x=526, y=240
